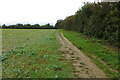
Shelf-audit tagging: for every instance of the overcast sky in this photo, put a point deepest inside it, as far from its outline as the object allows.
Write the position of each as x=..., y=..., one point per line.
x=37, y=11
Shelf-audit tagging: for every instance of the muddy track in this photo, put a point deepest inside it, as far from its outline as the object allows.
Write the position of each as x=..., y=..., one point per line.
x=84, y=67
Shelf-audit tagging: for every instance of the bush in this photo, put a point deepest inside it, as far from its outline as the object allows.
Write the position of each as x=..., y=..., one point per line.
x=99, y=20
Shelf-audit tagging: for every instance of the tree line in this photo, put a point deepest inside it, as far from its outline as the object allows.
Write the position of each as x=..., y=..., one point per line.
x=28, y=26
x=99, y=20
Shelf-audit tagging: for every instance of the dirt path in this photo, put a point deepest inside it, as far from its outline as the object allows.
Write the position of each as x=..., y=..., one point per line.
x=84, y=67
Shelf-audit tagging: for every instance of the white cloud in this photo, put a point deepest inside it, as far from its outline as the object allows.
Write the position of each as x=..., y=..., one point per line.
x=37, y=11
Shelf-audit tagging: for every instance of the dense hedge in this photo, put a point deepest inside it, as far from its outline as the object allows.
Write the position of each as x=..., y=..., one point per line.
x=99, y=20
x=28, y=26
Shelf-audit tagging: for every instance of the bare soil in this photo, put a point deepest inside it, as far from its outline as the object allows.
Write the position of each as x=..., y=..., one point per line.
x=84, y=67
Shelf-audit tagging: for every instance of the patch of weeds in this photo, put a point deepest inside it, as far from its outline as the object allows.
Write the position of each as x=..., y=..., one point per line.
x=80, y=48
x=45, y=56
x=15, y=51
x=32, y=54
x=3, y=57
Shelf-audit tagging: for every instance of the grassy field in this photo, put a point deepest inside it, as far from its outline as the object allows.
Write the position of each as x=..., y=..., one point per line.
x=106, y=58
x=33, y=53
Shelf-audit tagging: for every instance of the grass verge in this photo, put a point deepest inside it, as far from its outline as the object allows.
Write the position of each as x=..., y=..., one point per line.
x=106, y=58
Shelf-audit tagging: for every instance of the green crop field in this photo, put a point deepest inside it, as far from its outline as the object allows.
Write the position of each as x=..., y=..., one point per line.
x=33, y=53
